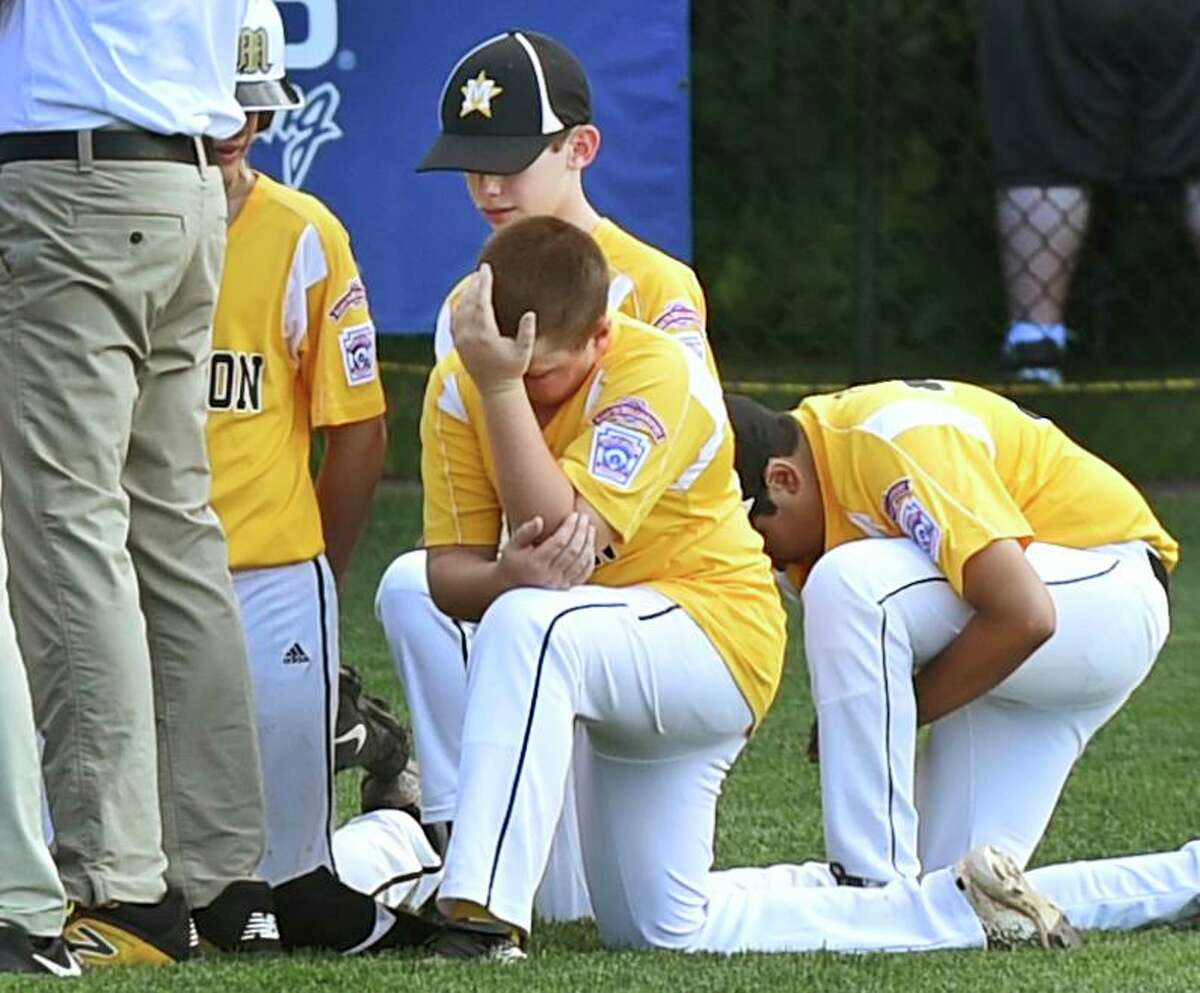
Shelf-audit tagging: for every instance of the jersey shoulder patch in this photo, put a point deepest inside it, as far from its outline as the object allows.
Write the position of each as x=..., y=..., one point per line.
x=618, y=454
x=358, y=353
x=905, y=510
x=678, y=314
x=633, y=412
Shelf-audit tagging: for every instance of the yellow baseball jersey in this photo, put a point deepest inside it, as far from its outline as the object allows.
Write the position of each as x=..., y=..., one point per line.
x=646, y=441
x=293, y=350
x=956, y=467
x=647, y=284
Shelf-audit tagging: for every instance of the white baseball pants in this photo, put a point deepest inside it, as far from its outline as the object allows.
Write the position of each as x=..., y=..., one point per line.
x=664, y=722
x=430, y=651
x=649, y=799
x=290, y=617
x=993, y=770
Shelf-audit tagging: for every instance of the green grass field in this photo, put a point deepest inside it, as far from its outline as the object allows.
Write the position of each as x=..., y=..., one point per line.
x=1136, y=789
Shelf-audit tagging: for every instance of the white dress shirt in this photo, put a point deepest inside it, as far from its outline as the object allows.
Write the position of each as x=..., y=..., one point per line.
x=162, y=65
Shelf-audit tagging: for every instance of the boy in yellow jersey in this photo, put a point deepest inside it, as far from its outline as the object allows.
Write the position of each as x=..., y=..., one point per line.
x=293, y=353
x=1011, y=593
x=517, y=121
x=601, y=431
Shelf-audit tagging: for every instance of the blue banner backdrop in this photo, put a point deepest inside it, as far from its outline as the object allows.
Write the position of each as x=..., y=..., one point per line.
x=373, y=73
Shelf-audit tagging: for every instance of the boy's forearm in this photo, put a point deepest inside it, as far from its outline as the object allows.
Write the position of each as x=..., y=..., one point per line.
x=987, y=651
x=530, y=480
x=464, y=582
x=350, y=471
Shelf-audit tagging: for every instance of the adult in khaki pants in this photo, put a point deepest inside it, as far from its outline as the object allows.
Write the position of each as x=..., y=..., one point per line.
x=111, y=240
x=32, y=905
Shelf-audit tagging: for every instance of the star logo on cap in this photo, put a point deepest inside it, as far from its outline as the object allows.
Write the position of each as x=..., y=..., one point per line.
x=478, y=94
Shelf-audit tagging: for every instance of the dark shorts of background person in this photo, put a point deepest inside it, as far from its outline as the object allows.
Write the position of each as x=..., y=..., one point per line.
x=1085, y=92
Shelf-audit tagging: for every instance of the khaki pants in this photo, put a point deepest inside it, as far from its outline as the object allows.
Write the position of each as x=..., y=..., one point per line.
x=121, y=591
x=30, y=893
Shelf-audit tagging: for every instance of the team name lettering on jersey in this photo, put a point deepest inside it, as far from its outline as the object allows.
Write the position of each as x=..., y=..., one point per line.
x=900, y=504
x=678, y=314
x=235, y=381
x=633, y=412
x=355, y=296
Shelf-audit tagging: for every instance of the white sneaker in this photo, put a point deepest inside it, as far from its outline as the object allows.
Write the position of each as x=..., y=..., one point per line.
x=1012, y=912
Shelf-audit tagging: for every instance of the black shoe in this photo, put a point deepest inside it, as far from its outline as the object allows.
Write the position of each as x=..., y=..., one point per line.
x=489, y=942
x=1038, y=361
x=241, y=920
x=21, y=952
x=319, y=911
x=130, y=933
x=402, y=792
x=368, y=735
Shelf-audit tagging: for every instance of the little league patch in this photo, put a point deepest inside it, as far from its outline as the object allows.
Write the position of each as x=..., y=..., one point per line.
x=910, y=516
x=358, y=353
x=618, y=454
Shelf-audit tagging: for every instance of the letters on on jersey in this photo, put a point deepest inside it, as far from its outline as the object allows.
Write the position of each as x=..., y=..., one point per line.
x=355, y=296
x=635, y=413
x=235, y=381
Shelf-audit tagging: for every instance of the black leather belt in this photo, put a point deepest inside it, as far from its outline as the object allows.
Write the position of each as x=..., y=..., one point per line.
x=1160, y=572
x=123, y=145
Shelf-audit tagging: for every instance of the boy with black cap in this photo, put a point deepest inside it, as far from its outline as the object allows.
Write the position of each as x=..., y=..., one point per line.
x=517, y=120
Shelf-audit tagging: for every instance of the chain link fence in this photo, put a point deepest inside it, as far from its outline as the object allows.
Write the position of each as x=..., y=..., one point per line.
x=848, y=218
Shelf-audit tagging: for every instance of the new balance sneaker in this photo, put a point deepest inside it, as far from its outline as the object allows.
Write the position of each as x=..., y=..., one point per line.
x=488, y=941
x=368, y=735
x=241, y=920
x=130, y=933
x=22, y=952
x=1012, y=912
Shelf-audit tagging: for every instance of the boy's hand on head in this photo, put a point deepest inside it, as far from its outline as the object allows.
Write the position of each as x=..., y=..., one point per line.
x=494, y=361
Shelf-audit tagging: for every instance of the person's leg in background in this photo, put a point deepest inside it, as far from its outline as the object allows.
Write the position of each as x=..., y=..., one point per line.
x=1041, y=231
x=429, y=651
x=33, y=907
x=1058, y=113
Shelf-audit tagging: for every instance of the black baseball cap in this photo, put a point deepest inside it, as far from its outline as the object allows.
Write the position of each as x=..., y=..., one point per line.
x=759, y=434
x=505, y=101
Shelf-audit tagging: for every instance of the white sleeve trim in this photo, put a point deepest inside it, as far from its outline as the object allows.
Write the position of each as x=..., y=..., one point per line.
x=450, y=400
x=892, y=420
x=706, y=391
x=442, y=339
x=309, y=267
